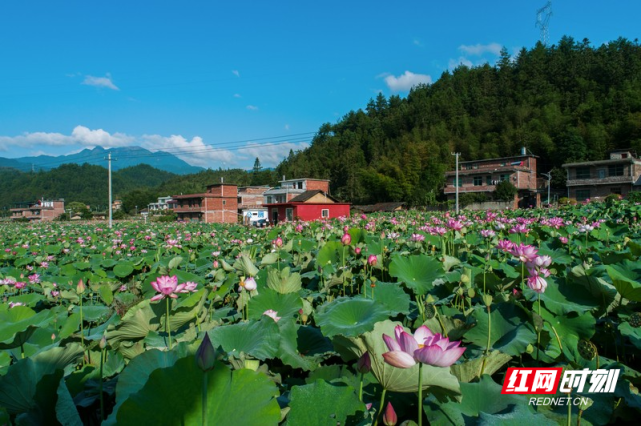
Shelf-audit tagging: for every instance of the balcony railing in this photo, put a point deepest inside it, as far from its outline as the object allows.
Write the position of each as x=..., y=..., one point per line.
x=600, y=181
x=188, y=209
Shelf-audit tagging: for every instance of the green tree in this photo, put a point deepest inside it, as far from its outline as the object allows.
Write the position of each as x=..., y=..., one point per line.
x=505, y=191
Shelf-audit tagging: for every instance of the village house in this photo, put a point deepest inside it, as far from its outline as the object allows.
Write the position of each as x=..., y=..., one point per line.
x=482, y=176
x=219, y=204
x=163, y=204
x=620, y=174
x=250, y=203
x=303, y=199
x=290, y=188
x=38, y=211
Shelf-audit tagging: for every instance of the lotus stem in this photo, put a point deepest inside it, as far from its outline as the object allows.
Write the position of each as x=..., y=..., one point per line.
x=204, y=398
x=102, y=402
x=420, y=394
x=538, y=332
x=487, y=345
x=168, y=324
x=380, y=409
x=360, y=391
x=82, y=326
x=569, y=412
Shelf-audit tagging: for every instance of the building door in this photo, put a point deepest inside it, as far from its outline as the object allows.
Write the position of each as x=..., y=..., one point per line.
x=274, y=216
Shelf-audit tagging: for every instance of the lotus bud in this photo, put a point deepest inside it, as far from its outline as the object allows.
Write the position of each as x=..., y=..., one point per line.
x=250, y=284
x=103, y=342
x=346, y=239
x=389, y=416
x=278, y=242
x=357, y=250
x=215, y=264
x=364, y=364
x=53, y=336
x=372, y=260
x=80, y=289
x=206, y=355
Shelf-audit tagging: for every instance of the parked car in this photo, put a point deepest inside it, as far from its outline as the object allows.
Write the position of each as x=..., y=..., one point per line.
x=260, y=223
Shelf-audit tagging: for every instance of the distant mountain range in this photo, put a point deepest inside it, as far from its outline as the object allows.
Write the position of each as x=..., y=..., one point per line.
x=125, y=157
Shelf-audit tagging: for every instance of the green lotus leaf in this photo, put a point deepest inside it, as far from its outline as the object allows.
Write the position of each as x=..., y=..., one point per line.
x=302, y=346
x=470, y=370
x=135, y=325
x=405, y=380
x=350, y=317
x=227, y=397
x=483, y=396
x=259, y=339
x=417, y=272
x=286, y=305
x=18, y=388
x=391, y=296
x=284, y=281
x=94, y=313
x=330, y=253
x=626, y=277
x=332, y=405
x=634, y=334
x=570, y=328
x=135, y=376
x=123, y=269
x=245, y=265
x=511, y=331
x=19, y=323
x=563, y=296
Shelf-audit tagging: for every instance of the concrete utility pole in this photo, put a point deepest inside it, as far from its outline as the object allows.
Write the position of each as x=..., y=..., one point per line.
x=110, y=202
x=456, y=183
x=549, y=176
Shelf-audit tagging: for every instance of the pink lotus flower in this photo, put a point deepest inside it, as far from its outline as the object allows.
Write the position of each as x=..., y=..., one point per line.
x=346, y=239
x=372, y=260
x=272, y=314
x=166, y=286
x=564, y=240
x=505, y=245
x=536, y=282
x=525, y=253
x=424, y=347
x=248, y=284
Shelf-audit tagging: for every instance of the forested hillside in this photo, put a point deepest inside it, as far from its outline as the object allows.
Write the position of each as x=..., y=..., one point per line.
x=570, y=101
x=86, y=183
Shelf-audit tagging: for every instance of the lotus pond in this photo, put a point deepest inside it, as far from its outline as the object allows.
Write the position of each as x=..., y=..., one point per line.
x=365, y=320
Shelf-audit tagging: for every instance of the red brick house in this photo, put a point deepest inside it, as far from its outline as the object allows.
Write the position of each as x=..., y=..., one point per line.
x=482, y=176
x=39, y=211
x=219, y=204
x=621, y=174
x=309, y=205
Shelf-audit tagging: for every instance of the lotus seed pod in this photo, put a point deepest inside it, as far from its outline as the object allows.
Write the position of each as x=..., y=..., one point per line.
x=460, y=291
x=635, y=319
x=587, y=349
x=465, y=279
x=471, y=293
x=430, y=311
x=529, y=349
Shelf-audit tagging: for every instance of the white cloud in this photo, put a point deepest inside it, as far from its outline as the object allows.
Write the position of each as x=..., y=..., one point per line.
x=80, y=135
x=480, y=49
x=252, y=107
x=237, y=95
x=236, y=73
x=417, y=42
x=460, y=61
x=406, y=81
x=194, y=151
x=106, y=81
x=286, y=126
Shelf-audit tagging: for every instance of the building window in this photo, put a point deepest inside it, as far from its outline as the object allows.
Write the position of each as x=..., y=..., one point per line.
x=224, y=202
x=460, y=182
x=289, y=214
x=478, y=180
x=325, y=213
x=615, y=170
x=582, y=194
x=601, y=173
x=488, y=180
x=503, y=177
x=299, y=185
x=583, y=173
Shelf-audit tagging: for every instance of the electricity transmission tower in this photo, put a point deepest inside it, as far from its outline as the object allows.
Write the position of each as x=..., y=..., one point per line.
x=543, y=16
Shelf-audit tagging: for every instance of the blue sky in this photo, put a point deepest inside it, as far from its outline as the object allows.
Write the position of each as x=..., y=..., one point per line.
x=236, y=81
